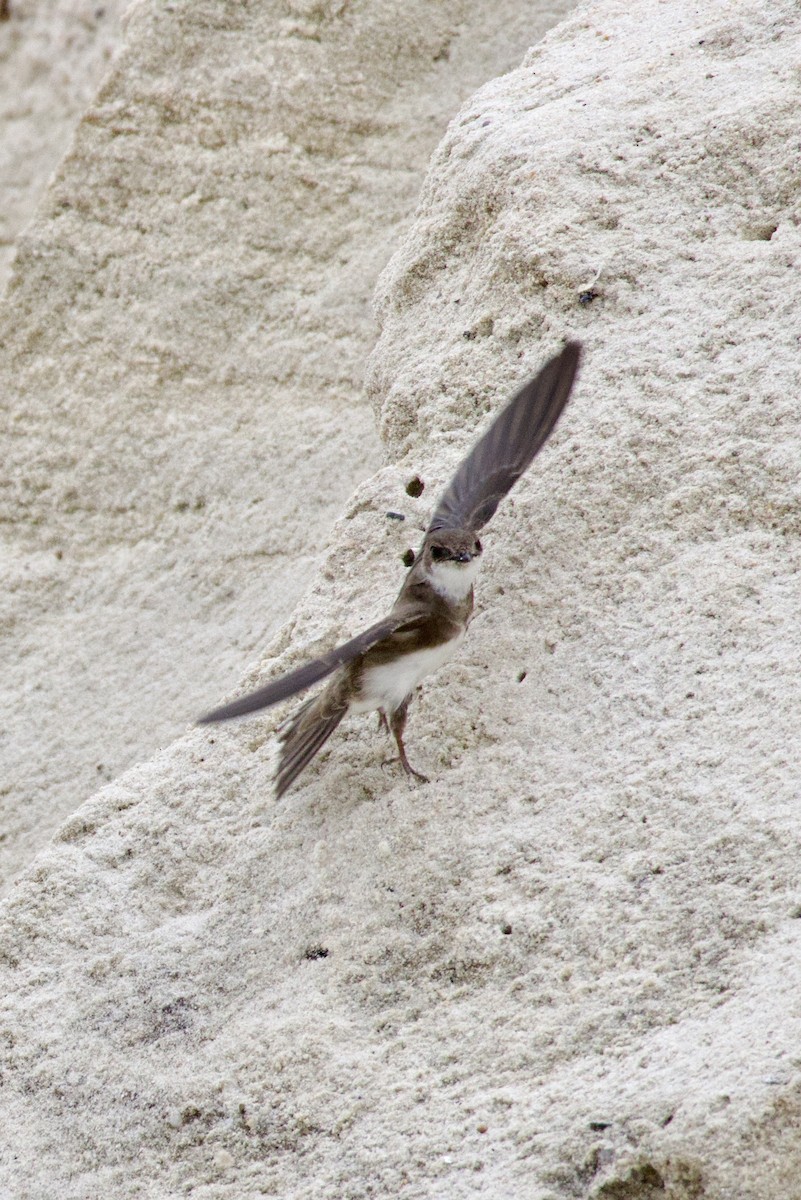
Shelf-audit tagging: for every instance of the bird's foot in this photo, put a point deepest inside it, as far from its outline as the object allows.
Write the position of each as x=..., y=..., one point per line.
x=408, y=769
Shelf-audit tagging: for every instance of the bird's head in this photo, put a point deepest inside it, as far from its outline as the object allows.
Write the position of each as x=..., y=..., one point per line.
x=450, y=559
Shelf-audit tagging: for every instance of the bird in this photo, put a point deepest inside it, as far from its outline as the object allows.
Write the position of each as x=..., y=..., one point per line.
x=381, y=667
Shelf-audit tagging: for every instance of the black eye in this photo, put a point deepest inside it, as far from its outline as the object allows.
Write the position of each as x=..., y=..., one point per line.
x=477, y=547
x=438, y=553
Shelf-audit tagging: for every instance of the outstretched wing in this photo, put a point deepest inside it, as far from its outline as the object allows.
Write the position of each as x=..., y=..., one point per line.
x=501, y=456
x=304, y=677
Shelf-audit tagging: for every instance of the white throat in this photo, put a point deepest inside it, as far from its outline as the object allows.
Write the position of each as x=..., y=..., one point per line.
x=453, y=580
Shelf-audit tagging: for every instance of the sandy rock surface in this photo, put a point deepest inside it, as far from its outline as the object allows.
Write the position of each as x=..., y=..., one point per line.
x=184, y=340
x=570, y=965
x=53, y=54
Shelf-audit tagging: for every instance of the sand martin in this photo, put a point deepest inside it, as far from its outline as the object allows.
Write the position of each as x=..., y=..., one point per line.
x=381, y=667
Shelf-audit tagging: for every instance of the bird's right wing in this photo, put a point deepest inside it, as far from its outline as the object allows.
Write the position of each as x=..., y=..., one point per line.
x=304, y=677
x=501, y=456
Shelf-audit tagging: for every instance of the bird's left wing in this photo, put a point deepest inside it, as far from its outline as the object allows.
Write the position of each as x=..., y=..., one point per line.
x=500, y=457
x=306, y=676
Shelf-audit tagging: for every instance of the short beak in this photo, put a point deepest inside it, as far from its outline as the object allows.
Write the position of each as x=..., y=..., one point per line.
x=465, y=556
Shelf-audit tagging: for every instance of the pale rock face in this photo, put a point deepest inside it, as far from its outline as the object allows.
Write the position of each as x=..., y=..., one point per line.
x=569, y=966
x=53, y=55
x=183, y=345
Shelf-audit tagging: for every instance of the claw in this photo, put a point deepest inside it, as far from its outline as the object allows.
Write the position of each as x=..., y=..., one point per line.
x=407, y=768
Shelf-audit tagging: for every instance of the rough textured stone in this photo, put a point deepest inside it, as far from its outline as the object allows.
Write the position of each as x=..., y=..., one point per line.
x=52, y=56
x=569, y=966
x=184, y=340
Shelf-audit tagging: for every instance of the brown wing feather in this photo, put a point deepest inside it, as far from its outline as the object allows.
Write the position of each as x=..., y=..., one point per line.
x=311, y=673
x=501, y=456
x=310, y=728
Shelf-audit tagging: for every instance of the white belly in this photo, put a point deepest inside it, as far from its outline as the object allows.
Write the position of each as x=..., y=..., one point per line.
x=388, y=685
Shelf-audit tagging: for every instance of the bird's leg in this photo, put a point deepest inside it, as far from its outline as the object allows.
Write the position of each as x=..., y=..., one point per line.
x=397, y=723
x=382, y=721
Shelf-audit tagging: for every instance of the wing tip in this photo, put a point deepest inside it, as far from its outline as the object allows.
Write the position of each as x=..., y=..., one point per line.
x=571, y=353
x=218, y=714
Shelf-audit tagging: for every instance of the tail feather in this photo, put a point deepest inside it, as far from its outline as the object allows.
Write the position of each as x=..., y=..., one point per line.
x=309, y=729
